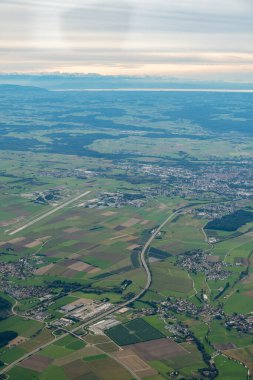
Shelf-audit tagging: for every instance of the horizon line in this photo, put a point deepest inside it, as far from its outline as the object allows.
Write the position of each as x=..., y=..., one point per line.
x=153, y=89
x=139, y=76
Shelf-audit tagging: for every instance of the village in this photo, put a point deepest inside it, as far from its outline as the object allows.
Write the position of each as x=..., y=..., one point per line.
x=210, y=265
x=197, y=181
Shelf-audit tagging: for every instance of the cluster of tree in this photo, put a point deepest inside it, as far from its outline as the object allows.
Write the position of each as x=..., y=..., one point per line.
x=129, y=296
x=66, y=286
x=125, y=284
x=5, y=307
x=222, y=291
x=231, y=222
x=6, y=337
x=133, y=197
x=115, y=289
x=211, y=371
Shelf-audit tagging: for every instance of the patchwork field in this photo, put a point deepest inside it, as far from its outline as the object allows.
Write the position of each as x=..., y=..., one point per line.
x=86, y=180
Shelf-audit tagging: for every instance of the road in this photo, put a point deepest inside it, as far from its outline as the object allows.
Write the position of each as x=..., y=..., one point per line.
x=41, y=217
x=143, y=259
x=92, y=320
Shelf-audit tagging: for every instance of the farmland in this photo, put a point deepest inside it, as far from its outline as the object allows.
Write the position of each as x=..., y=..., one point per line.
x=133, y=332
x=79, y=201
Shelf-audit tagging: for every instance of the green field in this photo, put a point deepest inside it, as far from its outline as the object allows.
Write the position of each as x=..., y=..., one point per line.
x=133, y=332
x=170, y=280
x=229, y=370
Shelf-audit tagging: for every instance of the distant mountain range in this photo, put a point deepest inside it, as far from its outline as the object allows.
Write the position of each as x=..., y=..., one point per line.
x=57, y=81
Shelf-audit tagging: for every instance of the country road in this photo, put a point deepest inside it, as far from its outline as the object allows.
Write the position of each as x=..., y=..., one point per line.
x=39, y=218
x=114, y=308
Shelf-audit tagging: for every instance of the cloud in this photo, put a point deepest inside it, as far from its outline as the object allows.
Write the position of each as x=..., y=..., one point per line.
x=134, y=35
x=98, y=23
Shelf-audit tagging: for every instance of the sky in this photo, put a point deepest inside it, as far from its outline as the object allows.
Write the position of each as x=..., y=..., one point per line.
x=193, y=39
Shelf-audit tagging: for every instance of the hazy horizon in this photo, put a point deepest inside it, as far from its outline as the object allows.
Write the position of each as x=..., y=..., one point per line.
x=187, y=40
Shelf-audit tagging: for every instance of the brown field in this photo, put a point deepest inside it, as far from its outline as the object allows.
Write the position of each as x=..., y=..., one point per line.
x=109, y=213
x=162, y=206
x=123, y=310
x=131, y=222
x=76, y=368
x=134, y=363
x=241, y=260
x=67, y=263
x=75, y=256
x=164, y=349
x=37, y=363
x=145, y=222
x=146, y=373
x=133, y=246
x=33, y=244
x=224, y=347
x=16, y=341
x=249, y=293
x=106, y=369
x=80, y=266
x=88, y=376
x=80, y=246
x=70, y=273
x=51, y=254
x=109, y=369
x=94, y=270
x=119, y=237
x=108, y=347
x=243, y=355
x=76, y=217
x=123, y=238
x=17, y=240
x=213, y=258
x=77, y=235
x=10, y=222
x=45, y=238
x=37, y=242
x=130, y=238
x=43, y=337
x=248, y=279
x=75, y=266
x=57, y=270
x=72, y=230
x=2, y=243
x=44, y=269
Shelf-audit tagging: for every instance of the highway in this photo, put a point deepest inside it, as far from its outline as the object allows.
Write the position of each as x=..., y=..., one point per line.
x=41, y=217
x=96, y=318
x=143, y=256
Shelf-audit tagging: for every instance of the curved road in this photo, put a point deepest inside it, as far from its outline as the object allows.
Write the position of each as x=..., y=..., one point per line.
x=114, y=309
x=143, y=259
